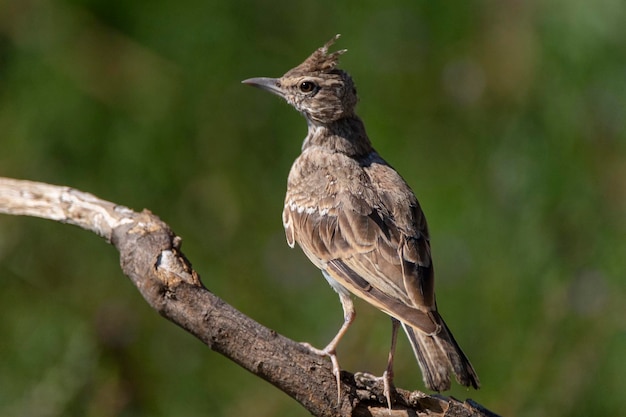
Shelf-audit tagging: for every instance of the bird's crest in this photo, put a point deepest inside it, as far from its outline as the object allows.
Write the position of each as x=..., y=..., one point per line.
x=320, y=61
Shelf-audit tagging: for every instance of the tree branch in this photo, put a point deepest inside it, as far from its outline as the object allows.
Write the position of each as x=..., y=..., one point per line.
x=150, y=255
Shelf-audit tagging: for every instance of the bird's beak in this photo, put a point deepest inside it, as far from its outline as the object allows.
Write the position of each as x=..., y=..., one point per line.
x=268, y=84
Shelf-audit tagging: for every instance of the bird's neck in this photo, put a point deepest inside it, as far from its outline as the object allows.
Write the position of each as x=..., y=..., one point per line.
x=346, y=135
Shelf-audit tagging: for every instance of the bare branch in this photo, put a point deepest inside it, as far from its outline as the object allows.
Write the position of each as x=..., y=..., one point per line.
x=150, y=256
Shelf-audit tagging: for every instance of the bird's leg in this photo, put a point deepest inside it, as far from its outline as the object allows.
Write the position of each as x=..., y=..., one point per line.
x=388, y=374
x=330, y=349
x=387, y=378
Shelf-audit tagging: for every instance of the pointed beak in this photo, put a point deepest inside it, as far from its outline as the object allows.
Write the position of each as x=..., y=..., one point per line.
x=268, y=84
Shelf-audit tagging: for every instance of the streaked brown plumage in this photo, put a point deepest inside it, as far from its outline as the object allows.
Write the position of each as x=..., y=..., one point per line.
x=359, y=222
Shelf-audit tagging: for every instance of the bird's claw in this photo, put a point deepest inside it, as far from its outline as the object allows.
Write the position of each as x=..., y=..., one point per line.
x=330, y=352
x=370, y=380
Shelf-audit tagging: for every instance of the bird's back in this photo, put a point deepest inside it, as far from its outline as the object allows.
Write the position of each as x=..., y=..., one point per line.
x=359, y=221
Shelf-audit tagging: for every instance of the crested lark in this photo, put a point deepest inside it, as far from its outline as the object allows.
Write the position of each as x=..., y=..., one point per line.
x=359, y=222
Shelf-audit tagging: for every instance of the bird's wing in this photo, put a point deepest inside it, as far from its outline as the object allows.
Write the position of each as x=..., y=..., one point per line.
x=373, y=241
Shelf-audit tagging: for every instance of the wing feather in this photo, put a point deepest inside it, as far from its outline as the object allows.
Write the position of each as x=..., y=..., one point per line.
x=371, y=241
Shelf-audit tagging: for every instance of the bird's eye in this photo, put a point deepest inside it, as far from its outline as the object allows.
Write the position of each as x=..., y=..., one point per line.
x=307, y=86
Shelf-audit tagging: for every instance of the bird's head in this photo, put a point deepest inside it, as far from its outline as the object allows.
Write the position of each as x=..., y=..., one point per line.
x=316, y=88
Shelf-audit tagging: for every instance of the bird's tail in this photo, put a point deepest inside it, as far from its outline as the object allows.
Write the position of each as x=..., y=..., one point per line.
x=437, y=355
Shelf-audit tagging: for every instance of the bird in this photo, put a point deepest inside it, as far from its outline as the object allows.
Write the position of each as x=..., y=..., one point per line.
x=359, y=222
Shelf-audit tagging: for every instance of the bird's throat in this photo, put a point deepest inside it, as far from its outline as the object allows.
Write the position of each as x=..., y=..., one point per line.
x=346, y=135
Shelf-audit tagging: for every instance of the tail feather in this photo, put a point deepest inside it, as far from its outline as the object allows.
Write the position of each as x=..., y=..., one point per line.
x=439, y=354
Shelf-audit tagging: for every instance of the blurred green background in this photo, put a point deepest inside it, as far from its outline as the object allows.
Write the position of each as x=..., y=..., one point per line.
x=506, y=118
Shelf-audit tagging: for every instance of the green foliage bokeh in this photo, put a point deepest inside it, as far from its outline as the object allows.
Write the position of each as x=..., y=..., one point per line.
x=507, y=119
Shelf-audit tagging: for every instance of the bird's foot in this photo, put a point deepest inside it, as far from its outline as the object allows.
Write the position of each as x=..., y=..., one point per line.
x=370, y=380
x=330, y=352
